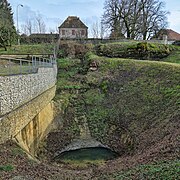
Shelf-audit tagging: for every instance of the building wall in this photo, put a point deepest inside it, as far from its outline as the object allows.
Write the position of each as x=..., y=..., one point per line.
x=19, y=89
x=68, y=33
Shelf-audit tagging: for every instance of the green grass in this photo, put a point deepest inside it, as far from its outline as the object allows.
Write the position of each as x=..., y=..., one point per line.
x=125, y=98
x=131, y=95
x=17, y=151
x=28, y=49
x=15, y=69
x=167, y=170
x=174, y=57
x=140, y=92
x=6, y=168
x=67, y=69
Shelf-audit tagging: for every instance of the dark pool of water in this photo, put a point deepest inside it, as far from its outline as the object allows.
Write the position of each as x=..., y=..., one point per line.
x=87, y=154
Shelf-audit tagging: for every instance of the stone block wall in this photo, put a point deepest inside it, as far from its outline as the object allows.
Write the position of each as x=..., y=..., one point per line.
x=19, y=89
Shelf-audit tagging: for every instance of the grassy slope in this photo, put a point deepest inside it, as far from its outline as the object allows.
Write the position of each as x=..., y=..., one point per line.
x=147, y=92
x=132, y=106
x=163, y=170
x=174, y=57
x=119, y=85
x=137, y=104
x=143, y=90
x=28, y=49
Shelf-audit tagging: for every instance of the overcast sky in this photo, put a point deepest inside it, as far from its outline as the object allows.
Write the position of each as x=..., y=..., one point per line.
x=54, y=12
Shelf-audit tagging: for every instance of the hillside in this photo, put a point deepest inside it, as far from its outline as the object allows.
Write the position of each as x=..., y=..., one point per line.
x=133, y=99
x=130, y=105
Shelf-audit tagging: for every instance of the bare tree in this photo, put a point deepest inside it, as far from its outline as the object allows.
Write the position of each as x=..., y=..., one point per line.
x=152, y=18
x=34, y=25
x=27, y=28
x=95, y=30
x=110, y=17
x=134, y=18
x=39, y=24
x=118, y=16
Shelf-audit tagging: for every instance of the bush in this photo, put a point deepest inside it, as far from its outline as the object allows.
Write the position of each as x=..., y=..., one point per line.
x=73, y=49
x=142, y=50
x=176, y=43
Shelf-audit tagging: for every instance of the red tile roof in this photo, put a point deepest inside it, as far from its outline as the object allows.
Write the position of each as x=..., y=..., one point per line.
x=171, y=35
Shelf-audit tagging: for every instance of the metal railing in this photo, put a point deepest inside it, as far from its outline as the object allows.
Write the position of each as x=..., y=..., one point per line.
x=13, y=66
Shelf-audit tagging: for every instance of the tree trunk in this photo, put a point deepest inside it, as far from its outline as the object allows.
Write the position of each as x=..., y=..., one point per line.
x=5, y=48
x=144, y=35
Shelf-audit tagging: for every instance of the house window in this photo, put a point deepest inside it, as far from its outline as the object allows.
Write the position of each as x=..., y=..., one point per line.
x=63, y=32
x=73, y=32
x=82, y=32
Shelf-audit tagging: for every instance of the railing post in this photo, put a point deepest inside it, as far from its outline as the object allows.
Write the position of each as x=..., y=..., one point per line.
x=9, y=66
x=39, y=60
x=51, y=60
x=34, y=64
x=31, y=62
x=29, y=67
x=20, y=66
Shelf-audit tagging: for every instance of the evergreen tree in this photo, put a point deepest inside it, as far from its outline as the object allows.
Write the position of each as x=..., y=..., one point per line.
x=7, y=29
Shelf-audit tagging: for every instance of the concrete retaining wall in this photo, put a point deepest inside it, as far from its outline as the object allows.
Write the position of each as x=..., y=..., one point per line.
x=14, y=122
x=19, y=89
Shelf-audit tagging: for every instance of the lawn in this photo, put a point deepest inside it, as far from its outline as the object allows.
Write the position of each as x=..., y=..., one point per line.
x=29, y=49
x=174, y=57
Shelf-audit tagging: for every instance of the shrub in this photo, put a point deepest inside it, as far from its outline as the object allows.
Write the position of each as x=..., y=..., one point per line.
x=73, y=49
x=141, y=50
x=66, y=50
x=176, y=43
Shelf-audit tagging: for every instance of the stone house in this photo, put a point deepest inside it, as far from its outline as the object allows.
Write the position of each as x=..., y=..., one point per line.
x=73, y=28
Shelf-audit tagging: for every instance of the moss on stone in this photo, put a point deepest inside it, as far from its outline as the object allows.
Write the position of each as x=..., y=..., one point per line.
x=136, y=50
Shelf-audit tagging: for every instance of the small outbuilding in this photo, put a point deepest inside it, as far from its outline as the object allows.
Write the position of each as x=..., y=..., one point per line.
x=73, y=28
x=168, y=34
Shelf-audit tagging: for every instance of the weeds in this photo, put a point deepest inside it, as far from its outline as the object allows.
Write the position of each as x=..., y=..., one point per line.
x=6, y=168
